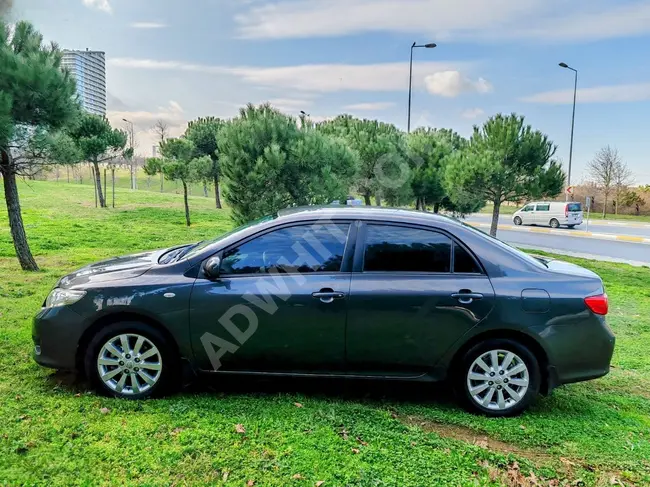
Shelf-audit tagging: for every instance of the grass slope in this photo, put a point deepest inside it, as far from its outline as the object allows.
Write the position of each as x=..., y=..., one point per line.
x=55, y=432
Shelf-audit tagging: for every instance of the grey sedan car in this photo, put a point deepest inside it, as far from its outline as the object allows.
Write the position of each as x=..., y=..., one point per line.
x=348, y=292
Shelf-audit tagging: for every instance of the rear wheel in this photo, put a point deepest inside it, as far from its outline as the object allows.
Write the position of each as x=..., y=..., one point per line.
x=571, y=226
x=498, y=377
x=555, y=223
x=131, y=360
x=517, y=221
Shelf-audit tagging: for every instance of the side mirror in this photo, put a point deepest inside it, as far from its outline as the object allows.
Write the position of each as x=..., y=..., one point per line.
x=211, y=267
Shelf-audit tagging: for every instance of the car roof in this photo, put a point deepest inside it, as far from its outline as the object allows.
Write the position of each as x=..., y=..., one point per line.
x=364, y=213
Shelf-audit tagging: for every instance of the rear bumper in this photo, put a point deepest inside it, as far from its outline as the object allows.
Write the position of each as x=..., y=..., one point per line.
x=578, y=351
x=56, y=333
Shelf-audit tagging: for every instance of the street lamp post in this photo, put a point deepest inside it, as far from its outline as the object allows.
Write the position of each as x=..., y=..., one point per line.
x=133, y=183
x=415, y=44
x=573, y=119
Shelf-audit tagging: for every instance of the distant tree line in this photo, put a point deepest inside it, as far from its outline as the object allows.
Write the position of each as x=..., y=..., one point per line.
x=263, y=160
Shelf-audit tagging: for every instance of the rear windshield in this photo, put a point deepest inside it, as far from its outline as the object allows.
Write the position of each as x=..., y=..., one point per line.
x=574, y=207
x=523, y=255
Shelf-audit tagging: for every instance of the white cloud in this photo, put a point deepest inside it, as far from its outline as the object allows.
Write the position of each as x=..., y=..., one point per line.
x=173, y=114
x=452, y=83
x=545, y=20
x=322, y=78
x=598, y=94
x=372, y=106
x=99, y=5
x=290, y=104
x=472, y=113
x=148, y=25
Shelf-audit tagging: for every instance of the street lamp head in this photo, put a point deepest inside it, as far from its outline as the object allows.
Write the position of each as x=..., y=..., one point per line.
x=125, y=120
x=430, y=45
x=564, y=65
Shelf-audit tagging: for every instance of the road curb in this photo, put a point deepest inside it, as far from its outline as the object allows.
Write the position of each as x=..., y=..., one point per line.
x=568, y=233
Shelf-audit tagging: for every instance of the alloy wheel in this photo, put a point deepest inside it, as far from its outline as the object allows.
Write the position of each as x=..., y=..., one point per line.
x=498, y=380
x=129, y=364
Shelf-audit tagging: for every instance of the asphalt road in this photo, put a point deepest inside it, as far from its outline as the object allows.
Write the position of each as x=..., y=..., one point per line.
x=596, y=226
x=589, y=247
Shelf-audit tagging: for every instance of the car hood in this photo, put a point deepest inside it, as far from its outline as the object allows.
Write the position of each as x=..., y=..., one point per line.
x=115, y=268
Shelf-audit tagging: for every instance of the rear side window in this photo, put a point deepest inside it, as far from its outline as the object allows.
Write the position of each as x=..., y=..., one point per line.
x=392, y=248
x=574, y=207
x=464, y=262
x=543, y=207
x=304, y=248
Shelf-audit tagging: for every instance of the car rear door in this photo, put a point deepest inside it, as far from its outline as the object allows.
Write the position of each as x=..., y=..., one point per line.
x=415, y=291
x=279, y=303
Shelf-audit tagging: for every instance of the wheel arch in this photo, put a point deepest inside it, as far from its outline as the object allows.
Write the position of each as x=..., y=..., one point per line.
x=116, y=317
x=523, y=338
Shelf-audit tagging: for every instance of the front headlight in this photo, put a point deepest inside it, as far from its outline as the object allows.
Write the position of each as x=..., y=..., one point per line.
x=63, y=297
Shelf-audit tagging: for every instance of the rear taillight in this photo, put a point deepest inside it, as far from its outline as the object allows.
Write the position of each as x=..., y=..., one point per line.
x=566, y=210
x=598, y=304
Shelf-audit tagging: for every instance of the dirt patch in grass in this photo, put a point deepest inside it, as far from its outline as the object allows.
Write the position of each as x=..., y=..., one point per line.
x=479, y=439
x=569, y=470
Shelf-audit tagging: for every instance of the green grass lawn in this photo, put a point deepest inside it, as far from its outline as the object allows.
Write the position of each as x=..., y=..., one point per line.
x=297, y=433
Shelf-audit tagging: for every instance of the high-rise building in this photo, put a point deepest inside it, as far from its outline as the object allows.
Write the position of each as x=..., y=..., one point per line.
x=89, y=70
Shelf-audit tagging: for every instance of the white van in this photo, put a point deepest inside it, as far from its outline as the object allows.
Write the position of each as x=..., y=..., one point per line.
x=551, y=214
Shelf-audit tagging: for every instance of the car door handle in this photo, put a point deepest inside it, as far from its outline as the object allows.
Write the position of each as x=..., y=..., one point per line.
x=466, y=298
x=328, y=296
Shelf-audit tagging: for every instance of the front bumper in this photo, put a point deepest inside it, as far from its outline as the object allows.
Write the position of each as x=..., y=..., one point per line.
x=56, y=333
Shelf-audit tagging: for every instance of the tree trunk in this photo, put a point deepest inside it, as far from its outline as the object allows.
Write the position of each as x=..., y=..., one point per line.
x=21, y=245
x=495, y=218
x=187, y=208
x=217, y=198
x=418, y=203
x=436, y=207
x=366, y=198
x=378, y=199
x=98, y=182
x=162, y=179
x=605, y=207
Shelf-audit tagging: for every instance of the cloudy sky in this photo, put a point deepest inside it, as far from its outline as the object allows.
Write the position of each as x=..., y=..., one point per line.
x=178, y=60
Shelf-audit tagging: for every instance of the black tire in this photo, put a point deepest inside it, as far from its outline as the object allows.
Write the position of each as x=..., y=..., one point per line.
x=169, y=379
x=554, y=223
x=460, y=377
x=571, y=226
x=518, y=221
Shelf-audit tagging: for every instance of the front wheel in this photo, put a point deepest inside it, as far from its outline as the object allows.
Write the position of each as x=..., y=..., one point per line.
x=555, y=223
x=131, y=360
x=517, y=221
x=498, y=377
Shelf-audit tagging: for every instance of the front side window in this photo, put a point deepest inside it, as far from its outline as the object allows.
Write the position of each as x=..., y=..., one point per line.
x=401, y=249
x=304, y=249
x=529, y=208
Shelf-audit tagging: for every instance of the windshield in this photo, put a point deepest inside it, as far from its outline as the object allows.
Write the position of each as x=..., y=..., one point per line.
x=527, y=257
x=206, y=243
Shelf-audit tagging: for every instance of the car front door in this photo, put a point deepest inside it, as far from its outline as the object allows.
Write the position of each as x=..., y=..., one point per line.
x=416, y=292
x=528, y=214
x=279, y=303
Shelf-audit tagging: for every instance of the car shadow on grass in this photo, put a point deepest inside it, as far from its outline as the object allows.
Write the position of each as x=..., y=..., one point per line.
x=378, y=390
